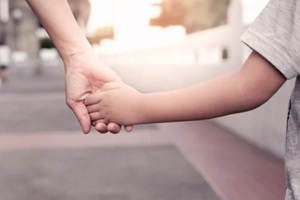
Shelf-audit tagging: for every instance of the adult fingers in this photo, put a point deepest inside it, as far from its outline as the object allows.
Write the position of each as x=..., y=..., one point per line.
x=81, y=113
x=110, y=86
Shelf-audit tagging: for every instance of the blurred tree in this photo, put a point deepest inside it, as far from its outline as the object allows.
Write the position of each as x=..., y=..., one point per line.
x=194, y=15
x=46, y=43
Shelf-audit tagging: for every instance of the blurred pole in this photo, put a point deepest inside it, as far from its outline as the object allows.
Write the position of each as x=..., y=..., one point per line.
x=17, y=15
x=4, y=11
x=4, y=49
x=4, y=17
x=235, y=22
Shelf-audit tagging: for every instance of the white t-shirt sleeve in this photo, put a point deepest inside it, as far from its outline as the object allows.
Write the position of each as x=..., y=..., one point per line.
x=275, y=34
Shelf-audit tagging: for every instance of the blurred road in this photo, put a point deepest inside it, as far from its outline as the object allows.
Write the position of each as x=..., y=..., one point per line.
x=43, y=157
x=35, y=103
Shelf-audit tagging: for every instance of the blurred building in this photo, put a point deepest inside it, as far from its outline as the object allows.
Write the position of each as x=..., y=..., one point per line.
x=130, y=27
x=81, y=10
x=19, y=33
x=195, y=15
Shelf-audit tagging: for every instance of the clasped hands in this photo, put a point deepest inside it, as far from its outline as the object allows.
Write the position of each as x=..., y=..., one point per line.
x=87, y=76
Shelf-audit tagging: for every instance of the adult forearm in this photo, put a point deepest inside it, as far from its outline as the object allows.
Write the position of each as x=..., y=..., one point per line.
x=59, y=22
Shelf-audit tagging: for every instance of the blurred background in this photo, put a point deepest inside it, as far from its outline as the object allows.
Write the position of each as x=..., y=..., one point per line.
x=154, y=45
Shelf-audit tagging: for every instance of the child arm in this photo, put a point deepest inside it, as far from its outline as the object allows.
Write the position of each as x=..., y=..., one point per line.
x=256, y=82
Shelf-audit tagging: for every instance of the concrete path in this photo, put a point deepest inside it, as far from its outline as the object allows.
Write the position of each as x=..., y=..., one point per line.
x=44, y=155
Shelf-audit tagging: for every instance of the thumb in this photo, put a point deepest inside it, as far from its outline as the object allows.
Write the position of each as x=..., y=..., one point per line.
x=110, y=86
x=81, y=113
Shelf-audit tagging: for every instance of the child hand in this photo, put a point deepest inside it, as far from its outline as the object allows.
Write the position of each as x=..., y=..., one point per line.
x=120, y=104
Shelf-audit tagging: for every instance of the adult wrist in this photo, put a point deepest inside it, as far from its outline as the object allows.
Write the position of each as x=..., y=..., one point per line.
x=77, y=57
x=75, y=53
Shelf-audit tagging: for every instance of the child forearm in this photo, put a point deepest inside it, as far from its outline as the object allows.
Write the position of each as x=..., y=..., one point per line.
x=233, y=93
x=202, y=101
x=59, y=22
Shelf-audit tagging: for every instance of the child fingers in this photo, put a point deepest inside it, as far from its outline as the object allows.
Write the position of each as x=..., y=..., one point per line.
x=101, y=127
x=93, y=108
x=113, y=128
x=96, y=116
x=94, y=123
x=128, y=128
x=92, y=99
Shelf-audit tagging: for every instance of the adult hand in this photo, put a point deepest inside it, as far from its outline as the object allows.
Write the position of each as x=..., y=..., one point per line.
x=85, y=74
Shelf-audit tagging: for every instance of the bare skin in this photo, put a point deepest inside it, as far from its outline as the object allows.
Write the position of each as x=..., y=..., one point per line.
x=85, y=73
x=241, y=91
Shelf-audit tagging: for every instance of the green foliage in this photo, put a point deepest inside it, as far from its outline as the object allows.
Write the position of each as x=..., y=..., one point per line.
x=46, y=43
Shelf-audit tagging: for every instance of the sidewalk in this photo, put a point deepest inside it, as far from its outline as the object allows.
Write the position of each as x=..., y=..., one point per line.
x=234, y=168
x=45, y=156
x=168, y=161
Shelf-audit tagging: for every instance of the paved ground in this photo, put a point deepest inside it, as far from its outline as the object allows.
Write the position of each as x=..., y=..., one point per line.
x=34, y=107
x=125, y=173
x=44, y=155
